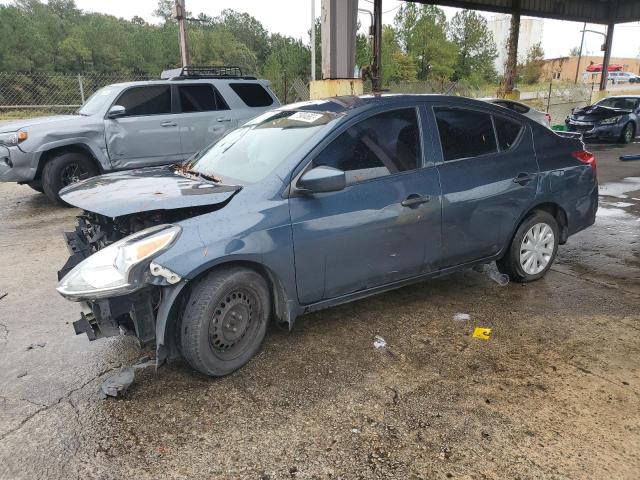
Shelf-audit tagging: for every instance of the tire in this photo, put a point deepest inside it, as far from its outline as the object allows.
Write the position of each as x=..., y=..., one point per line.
x=64, y=170
x=36, y=185
x=628, y=133
x=225, y=320
x=528, y=271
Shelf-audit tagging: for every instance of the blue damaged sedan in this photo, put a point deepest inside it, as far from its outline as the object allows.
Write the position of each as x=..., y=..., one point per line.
x=315, y=204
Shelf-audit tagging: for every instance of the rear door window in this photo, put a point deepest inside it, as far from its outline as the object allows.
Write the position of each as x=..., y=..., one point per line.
x=381, y=145
x=148, y=100
x=508, y=132
x=464, y=133
x=252, y=94
x=202, y=97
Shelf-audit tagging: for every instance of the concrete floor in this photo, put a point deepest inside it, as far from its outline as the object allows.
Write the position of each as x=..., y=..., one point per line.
x=555, y=392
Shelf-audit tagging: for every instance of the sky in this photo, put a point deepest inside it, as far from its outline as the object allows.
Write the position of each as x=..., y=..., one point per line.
x=293, y=18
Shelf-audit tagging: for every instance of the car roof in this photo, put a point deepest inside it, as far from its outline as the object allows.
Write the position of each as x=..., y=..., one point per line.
x=351, y=103
x=183, y=81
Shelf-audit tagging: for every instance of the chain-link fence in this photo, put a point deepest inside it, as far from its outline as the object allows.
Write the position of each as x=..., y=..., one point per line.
x=33, y=94
x=23, y=94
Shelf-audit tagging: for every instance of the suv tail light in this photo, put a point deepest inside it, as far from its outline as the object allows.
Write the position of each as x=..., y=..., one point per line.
x=548, y=117
x=588, y=158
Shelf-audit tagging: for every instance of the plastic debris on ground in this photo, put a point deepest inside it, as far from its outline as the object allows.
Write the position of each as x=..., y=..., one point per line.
x=461, y=317
x=379, y=342
x=121, y=381
x=492, y=272
x=482, y=333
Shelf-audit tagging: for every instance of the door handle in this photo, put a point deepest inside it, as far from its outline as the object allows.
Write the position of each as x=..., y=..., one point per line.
x=224, y=120
x=524, y=178
x=168, y=124
x=414, y=200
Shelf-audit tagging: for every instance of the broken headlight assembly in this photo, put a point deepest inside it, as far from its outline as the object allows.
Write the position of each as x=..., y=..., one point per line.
x=11, y=139
x=118, y=268
x=610, y=121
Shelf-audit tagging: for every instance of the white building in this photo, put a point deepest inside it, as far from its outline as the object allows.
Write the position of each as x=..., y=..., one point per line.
x=530, y=34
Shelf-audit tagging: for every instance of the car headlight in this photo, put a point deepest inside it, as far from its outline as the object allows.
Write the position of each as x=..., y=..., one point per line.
x=13, y=138
x=610, y=121
x=111, y=271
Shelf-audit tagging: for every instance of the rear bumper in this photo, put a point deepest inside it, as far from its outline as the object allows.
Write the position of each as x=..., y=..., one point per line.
x=583, y=213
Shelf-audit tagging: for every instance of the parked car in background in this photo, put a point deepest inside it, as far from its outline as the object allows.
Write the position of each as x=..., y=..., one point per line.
x=622, y=77
x=131, y=125
x=612, y=119
x=542, y=118
x=316, y=204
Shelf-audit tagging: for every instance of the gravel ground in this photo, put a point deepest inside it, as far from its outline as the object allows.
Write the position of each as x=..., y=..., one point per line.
x=554, y=393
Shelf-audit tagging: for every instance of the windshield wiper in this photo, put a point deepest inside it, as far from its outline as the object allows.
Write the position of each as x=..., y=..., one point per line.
x=185, y=171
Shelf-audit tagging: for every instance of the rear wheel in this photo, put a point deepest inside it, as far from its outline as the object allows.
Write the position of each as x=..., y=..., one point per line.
x=225, y=320
x=533, y=248
x=627, y=133
x=64, y=170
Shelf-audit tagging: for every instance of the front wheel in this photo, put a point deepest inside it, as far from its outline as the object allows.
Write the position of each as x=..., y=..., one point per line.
x=533, y=248
x=627, y=133
x=225, y=320
x=64, y=170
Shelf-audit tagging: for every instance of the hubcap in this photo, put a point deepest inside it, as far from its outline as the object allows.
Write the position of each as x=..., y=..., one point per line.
x=232, y=321
x=537, y=248
x=73, y=173
x=628, y=133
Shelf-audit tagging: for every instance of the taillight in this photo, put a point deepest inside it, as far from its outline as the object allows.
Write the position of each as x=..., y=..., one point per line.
x=548, y=117
x=588, y=158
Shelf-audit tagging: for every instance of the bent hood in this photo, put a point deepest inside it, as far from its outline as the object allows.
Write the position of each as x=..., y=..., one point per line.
x=37, y=121
x=597, y=112
x=143, y=190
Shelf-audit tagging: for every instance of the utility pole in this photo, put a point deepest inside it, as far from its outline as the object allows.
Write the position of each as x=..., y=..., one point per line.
x=376, y=81
x=584, y=27
x=180, y=14
x=313, y=40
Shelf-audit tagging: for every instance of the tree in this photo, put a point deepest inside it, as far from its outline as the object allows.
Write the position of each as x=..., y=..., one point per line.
x=574, y=52
x=531, y=70
x=422, y=36
x=476, y=48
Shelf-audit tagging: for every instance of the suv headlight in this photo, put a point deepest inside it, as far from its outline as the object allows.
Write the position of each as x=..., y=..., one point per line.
x=13, y=138
x=610, y=121
x=112, y=270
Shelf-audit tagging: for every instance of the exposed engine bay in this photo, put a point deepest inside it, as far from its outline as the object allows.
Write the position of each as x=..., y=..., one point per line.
x=134, y=313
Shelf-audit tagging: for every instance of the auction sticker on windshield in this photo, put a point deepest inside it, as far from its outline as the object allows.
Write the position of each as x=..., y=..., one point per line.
x=308, y=117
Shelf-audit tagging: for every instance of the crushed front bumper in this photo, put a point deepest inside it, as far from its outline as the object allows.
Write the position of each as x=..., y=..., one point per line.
x=595, y=131
x=16, y=165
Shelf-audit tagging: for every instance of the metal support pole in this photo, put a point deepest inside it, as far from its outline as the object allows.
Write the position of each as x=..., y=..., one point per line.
x=584, y=27
x=81, y=88
x=180, y=15
x=607, y=57
x=376, y=68
x=512, y=52
x=313, y=40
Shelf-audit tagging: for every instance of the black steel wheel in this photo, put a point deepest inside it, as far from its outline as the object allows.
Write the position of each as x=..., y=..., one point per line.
x=225, y=320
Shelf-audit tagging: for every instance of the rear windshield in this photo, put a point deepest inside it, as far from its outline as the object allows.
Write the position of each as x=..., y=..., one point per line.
x=249, y=153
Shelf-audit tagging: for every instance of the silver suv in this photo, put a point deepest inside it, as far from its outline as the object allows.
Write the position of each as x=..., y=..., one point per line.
x=131, y=125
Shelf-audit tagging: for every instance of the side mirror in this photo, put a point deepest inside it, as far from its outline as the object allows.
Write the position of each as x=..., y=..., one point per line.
x=322, y=179
x=117, y=111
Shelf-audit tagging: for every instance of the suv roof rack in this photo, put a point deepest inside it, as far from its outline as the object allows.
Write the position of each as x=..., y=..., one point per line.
x=195, y=71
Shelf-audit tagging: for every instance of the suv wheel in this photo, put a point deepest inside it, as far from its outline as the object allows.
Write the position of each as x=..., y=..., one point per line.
x=627, y=133
x=533, y=248
x=64, y=170
x=225, y=320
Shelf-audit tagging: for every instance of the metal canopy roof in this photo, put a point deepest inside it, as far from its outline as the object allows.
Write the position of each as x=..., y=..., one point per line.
x=591, y=11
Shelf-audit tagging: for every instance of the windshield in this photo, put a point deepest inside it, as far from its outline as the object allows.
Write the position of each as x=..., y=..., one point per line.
x=626, y=103
x=249, y=153
x=96, y=102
